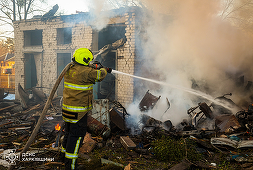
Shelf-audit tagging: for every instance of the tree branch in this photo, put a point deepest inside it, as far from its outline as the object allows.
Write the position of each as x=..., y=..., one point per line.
x=243, y=5
x=4, y=17
x=25, y=15
x=7, y=22
x=19, y=12
x=4, y=36
x=28, y=8
x=227, y=6
x=5, y=13
x=4, y=6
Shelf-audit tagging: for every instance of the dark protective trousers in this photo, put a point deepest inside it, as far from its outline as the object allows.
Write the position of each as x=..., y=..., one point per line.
x=72, y=141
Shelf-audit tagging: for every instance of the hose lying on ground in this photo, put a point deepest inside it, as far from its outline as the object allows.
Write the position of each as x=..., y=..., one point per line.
x=48, y=103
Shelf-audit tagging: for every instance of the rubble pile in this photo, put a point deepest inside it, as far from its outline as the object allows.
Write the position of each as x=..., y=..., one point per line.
x=212, y=137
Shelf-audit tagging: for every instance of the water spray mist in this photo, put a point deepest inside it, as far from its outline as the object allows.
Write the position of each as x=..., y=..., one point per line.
x=192, y=91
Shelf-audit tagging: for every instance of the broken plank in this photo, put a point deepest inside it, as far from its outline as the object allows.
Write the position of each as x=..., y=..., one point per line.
x=16, y=125
x=55, y=163
x=23, y=96
x=8, y=107
x=19, y=128
x=34, y=107
x=6, y=124
x=105, y=161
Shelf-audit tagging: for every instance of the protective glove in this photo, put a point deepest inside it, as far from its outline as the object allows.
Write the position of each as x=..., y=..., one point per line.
x=109, y=70
x=96, y=64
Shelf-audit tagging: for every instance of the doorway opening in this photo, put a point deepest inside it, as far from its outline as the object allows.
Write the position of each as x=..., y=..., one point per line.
x=62, y=60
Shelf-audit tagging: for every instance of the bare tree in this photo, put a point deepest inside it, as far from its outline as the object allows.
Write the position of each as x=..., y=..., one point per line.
x=123, y=3
x=239, y=13
x=12, y=10
x=9, y=44
x=6, y=46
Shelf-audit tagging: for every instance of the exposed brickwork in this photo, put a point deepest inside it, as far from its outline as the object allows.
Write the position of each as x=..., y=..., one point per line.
x=82, y=36
x=124, y=84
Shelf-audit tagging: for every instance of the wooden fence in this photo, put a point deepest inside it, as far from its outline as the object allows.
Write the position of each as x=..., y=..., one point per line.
x=7, y=82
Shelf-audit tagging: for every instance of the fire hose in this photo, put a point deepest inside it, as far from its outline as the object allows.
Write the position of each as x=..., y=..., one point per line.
x=95, y=65
x=48, y=103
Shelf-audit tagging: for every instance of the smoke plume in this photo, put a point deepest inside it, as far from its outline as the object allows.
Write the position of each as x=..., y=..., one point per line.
x=193, y=42
x=188, y=43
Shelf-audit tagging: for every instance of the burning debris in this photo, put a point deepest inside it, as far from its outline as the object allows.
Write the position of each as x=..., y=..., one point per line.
x=214, y=116
x=208, y=130
x=107, y=123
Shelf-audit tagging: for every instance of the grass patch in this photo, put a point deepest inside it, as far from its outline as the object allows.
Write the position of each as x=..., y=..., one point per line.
x=172, y=150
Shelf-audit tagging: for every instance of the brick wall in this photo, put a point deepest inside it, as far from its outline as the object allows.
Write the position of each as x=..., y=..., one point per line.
x=124, y=84
x=82, y=36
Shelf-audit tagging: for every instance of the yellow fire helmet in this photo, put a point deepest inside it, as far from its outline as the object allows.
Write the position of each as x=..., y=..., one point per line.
x=83, y=56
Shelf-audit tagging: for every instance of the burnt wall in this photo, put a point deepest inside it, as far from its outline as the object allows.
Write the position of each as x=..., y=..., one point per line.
x=78, y=34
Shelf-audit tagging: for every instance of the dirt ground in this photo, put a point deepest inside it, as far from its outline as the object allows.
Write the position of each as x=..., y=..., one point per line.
x=163, y=153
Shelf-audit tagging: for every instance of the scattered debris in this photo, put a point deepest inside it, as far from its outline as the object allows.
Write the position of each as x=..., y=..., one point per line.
x=184, y=165
x=127, y=143
x=88, y=144
x=50, y=13
x=148, y=101
x=24, y=96
x=231, y=142
x=2, y=95
x=227, y=123
x=209, y=129
x=104, y=161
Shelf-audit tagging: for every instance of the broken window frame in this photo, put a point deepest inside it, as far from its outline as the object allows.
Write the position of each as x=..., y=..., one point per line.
x=33, y=38
x=64, y=36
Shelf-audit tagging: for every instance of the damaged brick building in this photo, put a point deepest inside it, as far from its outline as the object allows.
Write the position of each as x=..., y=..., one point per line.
x=43, y=47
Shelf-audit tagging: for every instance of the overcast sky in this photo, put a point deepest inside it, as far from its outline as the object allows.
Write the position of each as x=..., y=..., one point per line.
x=66, y=7
x=70, y=6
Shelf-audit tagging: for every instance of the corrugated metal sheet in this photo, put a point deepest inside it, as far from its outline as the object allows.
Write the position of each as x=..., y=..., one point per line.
x=148, y=101
x=100, y=111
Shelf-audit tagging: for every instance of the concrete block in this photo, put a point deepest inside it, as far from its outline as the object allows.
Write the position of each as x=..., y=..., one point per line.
x=88, y=144
x=127, y=143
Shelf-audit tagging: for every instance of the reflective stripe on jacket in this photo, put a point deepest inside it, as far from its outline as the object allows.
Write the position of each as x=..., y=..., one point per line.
x=78, y=91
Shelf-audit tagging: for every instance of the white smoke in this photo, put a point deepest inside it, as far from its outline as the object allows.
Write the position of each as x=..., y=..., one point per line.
x=99, y=16
x=194, y=42
x=188, y=40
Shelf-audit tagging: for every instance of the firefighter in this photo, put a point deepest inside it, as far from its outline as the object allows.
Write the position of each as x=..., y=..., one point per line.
x=77, y=102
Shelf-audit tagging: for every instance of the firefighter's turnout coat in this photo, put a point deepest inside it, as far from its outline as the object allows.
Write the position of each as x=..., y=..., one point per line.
x=78, y=91
x=77, y=102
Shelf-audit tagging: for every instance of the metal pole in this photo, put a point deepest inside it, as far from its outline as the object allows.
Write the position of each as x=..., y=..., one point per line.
x=8, y=80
